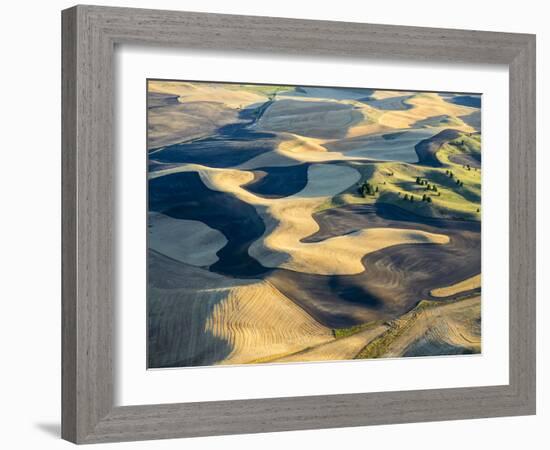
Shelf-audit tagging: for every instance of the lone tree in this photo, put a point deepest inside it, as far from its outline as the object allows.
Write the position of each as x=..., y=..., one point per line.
x=429, y=199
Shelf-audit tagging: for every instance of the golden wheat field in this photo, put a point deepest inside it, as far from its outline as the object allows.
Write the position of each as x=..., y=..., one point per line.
x=299, y=224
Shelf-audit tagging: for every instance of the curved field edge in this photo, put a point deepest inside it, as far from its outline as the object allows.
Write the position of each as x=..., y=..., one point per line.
x=465, y=285
x=233, y=319
x=451, y=182
x=343, y=347
x=201, y=318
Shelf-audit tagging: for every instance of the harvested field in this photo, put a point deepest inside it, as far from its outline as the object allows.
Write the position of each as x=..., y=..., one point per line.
x=295, y=223
x=340, y=349
x=466, y=285
x=431, y=330
x=223, y=321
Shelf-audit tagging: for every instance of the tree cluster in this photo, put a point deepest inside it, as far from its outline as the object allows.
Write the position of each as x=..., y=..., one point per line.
x=449, y=173
x=426, y=198
x=426, y=183
x=367, y=189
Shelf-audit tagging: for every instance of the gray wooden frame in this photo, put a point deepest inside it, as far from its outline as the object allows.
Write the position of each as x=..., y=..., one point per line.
x=89, y=37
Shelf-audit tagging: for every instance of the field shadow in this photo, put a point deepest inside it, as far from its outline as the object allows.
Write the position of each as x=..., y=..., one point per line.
x=177, y=317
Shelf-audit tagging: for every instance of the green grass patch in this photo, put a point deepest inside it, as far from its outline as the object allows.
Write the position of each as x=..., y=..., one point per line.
x=378, y=347
x=349, y=331
x=396, y=182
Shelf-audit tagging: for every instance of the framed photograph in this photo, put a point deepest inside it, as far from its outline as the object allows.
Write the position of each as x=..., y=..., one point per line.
x=268, y=230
